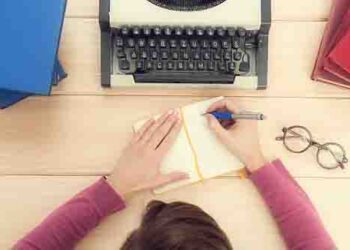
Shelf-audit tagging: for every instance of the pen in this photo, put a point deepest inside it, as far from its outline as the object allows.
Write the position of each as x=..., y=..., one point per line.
x=240, y=116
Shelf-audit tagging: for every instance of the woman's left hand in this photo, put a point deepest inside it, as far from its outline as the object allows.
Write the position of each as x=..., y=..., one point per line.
x=138, y=167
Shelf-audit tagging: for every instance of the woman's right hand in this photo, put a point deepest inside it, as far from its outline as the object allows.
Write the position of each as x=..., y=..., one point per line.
x=240, y=137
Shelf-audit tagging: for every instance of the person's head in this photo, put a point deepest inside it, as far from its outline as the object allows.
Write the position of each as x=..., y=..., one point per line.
x=176, y=226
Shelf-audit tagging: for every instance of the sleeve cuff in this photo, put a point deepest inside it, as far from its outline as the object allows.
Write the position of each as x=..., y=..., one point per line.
x=273, y=172
x=106, y=199
x=273, y=166
x=263, y=173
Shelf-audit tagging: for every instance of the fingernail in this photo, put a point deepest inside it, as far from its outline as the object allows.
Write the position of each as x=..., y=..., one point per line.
x=170, y=112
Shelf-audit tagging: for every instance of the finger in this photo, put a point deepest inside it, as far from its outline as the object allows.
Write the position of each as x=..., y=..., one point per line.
x=163, y=130
x=138, y=134
x=225, y=104
x=217, y=128
x=169, y=140
x=170, y=178
x=150, y=131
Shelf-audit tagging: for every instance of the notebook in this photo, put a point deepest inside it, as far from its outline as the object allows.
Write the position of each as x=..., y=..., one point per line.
x=28, y=46
x=8, y=97
x=59, y=73
x=336, y=70
x=196, y=151
x=338, y=12
x=329, y=64
x=340, y=55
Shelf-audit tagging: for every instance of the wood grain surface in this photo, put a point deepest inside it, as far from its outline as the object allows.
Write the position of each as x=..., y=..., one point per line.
x=53, y=147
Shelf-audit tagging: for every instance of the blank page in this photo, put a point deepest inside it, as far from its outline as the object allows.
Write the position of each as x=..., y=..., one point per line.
x=213, y=157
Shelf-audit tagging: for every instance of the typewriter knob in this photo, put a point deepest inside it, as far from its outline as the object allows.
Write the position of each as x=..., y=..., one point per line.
x=210, y=31
x=147, y=31
x=125, y=31
x=189, y=31
x=221, y=31
x=157, y=31
x=168, y=31
x=241, y=32
x=178, y=31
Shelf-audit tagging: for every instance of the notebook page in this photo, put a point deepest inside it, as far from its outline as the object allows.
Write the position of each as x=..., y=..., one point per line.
x=213, y=157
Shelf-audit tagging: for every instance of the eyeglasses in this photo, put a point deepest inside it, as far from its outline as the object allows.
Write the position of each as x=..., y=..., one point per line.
x=298, y=139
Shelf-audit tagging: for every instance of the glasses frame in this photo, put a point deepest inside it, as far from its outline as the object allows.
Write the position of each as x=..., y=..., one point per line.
x=313, y=143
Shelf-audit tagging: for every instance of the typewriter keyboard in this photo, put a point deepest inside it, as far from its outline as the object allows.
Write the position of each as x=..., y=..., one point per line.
x=183, y=55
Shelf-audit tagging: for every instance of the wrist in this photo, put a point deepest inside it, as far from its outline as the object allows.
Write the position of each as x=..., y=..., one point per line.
x=118, y=187
x=255, y=162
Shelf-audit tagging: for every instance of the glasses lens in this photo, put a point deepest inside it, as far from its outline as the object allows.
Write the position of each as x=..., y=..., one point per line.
x=297, y=139
x=330, y=155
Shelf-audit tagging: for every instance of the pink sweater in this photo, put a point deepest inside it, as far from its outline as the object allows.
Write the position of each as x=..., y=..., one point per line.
x=295, y=216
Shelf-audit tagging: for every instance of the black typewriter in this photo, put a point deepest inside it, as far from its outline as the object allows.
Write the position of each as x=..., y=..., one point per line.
x=146, y=54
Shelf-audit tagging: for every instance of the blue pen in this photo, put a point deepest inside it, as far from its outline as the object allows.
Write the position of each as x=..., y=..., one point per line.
x=242, y=116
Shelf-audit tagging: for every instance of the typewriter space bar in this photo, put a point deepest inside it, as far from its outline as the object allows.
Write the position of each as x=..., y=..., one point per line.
x=184, y=77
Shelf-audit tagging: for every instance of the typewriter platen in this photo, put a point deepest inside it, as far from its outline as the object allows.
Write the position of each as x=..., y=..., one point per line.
x=201, y=43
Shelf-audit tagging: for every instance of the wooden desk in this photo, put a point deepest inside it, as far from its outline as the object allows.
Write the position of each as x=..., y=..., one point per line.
x=50, y=148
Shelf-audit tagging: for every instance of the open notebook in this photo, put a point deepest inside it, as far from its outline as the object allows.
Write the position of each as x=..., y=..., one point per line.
x=196, y=151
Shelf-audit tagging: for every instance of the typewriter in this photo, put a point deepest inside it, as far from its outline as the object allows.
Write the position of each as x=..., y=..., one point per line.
x=197, y=43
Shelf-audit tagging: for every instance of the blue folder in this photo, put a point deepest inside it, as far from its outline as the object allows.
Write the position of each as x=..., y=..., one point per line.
x=30, y=35
x=9, y=97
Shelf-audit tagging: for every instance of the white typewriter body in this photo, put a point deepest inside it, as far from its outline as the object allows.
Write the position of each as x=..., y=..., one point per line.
x=241, y=82
x=230, y=13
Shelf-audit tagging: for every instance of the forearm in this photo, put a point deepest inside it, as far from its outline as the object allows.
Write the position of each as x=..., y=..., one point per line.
x=297, y=219
x=71, y=222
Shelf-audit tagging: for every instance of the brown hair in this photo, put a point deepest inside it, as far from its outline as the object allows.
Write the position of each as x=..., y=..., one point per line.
x=176, y=226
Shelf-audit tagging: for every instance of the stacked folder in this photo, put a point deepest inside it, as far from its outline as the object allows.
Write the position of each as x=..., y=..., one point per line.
x=333, y=61
x=30, y=35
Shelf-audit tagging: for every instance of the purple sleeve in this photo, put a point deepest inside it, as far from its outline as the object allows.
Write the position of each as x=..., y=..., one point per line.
x=71, y=222
x=297, y=219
